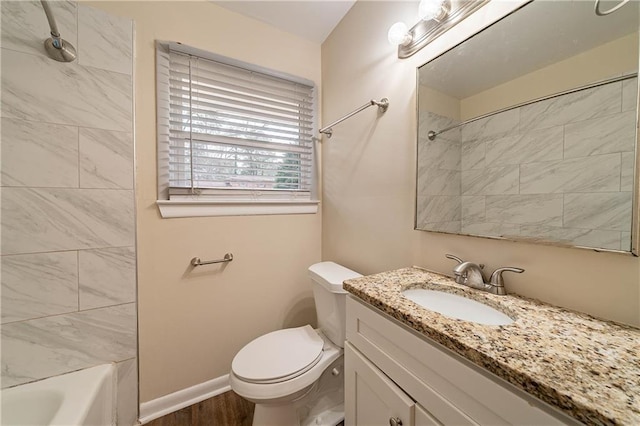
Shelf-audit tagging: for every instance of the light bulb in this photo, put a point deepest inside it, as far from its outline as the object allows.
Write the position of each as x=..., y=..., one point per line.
x=431, y=9
x=398, y=35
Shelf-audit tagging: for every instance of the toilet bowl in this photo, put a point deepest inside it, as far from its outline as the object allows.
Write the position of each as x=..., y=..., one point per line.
x=294, y=376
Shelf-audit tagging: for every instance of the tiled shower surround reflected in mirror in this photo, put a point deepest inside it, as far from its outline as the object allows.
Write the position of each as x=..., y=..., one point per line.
x=558, y=170
x=68, y=226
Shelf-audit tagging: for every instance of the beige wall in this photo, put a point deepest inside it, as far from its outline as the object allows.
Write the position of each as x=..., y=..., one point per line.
x=437, y=102
x=192, y=322
x=369, y=178
x=605, y=61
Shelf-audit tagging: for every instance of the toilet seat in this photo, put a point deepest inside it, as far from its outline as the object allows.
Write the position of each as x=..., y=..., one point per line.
x=278, y=356
x=291, y=389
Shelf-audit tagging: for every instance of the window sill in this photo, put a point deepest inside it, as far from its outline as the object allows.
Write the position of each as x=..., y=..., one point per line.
x=201, y=208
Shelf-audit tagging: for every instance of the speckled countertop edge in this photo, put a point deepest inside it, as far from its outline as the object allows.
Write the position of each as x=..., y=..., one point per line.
x=585, y=367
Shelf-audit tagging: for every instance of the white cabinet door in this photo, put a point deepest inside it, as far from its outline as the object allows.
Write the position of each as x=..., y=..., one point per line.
x=371, y=398
x=424, y=418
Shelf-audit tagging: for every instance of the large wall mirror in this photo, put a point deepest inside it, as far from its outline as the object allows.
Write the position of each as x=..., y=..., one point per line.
x=527, y=130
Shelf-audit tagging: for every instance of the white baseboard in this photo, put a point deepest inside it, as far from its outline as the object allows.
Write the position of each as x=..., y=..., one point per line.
x=159, y=407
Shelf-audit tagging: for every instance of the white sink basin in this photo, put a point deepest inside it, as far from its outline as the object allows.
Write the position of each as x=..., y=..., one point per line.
x=454, y=306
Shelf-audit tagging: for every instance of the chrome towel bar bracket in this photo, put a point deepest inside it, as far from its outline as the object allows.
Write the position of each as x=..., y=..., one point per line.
x=197, y=262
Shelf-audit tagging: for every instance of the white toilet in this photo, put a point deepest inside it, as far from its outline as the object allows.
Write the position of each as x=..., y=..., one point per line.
x=294, y=376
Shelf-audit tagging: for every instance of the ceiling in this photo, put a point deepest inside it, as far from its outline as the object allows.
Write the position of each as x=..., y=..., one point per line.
x=310, y=19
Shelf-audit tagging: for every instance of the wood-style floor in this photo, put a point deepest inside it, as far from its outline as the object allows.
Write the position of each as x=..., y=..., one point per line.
x=227, y=409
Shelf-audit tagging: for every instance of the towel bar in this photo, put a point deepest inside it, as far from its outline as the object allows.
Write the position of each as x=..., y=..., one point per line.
x=197, y=262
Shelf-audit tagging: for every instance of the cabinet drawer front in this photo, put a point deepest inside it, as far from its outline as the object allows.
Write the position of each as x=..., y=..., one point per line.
x=453, y=390
x=372, y=398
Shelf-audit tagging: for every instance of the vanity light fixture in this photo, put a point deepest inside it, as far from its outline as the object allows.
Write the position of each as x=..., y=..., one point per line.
x=398, y=34
x=436, y=17
x=434, y=9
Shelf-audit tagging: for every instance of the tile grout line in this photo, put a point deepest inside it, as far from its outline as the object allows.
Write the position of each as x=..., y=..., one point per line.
x=66, y=187
x=78, y=276
x=69, y=313
x=68, y=250
x=52, y=123
x=620, y=187
x=89, y=67
x=79, y=160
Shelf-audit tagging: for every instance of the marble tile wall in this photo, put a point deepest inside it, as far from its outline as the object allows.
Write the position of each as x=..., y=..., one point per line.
x=559, y=170
x=439, y=175
x=68, y=227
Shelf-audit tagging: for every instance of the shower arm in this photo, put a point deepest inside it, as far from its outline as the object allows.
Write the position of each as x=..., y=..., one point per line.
x=55, y=34
x=56, y=47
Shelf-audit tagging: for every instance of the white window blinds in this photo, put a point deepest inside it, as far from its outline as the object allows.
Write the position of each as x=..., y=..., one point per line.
x=233, y=130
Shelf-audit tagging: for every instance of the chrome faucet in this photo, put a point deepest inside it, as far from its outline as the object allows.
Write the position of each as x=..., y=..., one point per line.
x=470, y=274
x=462, y=277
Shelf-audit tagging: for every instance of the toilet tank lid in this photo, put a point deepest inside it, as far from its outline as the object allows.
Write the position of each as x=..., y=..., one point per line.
x=331, y=275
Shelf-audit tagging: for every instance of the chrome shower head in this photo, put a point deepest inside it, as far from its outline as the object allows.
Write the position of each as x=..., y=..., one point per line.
x=57, y=48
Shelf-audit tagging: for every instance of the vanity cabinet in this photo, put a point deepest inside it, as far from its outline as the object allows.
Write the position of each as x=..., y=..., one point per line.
x=375, y=400
x=394, y=375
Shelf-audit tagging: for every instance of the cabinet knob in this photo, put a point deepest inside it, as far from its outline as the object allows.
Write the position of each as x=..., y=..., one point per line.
x=395, y=421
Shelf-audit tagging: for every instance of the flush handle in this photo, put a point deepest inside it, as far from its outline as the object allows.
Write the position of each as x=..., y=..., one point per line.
x=395, y=421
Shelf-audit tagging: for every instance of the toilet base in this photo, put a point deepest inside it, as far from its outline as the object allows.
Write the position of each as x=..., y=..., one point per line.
x=329, y=417
x=322, y=405
x=275, y=415
x=265, y=415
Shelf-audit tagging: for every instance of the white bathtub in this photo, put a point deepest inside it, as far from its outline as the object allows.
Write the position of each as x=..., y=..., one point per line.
x=84, y=397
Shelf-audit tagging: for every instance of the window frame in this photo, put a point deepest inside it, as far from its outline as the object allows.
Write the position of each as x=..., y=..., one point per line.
x=210, y=203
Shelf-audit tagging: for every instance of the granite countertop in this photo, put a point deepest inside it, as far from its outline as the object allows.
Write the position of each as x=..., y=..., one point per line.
x=586, y=367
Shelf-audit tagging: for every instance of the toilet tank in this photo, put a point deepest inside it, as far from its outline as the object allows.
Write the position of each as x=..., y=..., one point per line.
x=330, y=298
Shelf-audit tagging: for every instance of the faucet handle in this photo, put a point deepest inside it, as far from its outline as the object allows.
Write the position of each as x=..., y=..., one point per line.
x=496, y=277
x=457, y=259
x=452, y=257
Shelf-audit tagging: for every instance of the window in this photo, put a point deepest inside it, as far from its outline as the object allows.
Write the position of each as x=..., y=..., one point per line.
x=231, y=137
